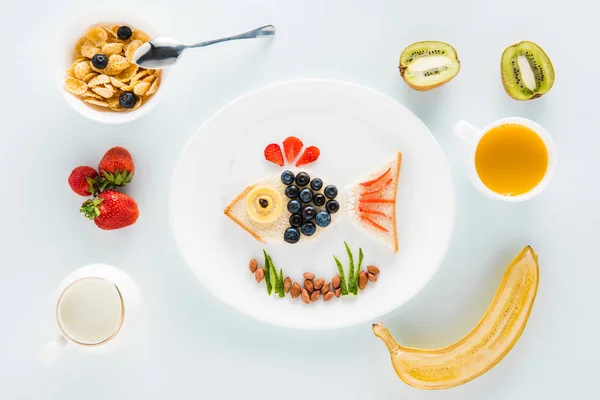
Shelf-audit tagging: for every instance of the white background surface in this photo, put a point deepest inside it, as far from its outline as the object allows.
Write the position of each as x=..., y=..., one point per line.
x=193, y=346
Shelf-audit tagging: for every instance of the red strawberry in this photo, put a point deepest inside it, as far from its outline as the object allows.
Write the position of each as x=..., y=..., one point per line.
x=273, y=154
x=83, y=180
x=111, y=210
x=310, y=155
x=292, y=147
x=116, y=167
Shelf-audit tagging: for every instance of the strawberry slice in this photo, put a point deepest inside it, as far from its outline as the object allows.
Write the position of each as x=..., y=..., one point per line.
x=273, y=154
x=310, y=155
x=372, y=211
x=373, y=223
x=377, y=190
x=374, y=181
x=292, y=147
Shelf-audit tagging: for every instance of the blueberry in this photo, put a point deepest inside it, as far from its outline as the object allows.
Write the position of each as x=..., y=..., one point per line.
x=306, y=195
x=302, y=179
x=124, y=32
x=287, y=177
x=100, y=61
x=294, y=206
x=323, y=219
x=332, y=206
x=127, y=99
x=330, y=191
x=308, y=213
x=308, y=229
x=295, y=220
x=319, y=200
x=292, y=191
x=291, y=235
x=316, y=184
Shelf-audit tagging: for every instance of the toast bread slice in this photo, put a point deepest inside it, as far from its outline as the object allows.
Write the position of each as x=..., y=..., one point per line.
x=372, y=202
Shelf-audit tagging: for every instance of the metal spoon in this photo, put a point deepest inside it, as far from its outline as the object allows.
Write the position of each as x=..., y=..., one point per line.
x=163, y=52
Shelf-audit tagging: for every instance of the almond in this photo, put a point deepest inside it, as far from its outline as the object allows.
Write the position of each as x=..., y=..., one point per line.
x=319, y=283
x=296, y=289
x=253, y=265
x=287, y=284
x=338, y=292
x=259, y=274
x=308, y=275
x=325, y=288
x=328, y=296
x=308, y=285
x=305, y=296
x=373, y=269
x=372, y=277
x=362, y=280
x=315, y=296
x=336, y=281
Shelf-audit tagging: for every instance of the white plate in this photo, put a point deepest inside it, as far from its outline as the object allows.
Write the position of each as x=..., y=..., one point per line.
x=357, y=130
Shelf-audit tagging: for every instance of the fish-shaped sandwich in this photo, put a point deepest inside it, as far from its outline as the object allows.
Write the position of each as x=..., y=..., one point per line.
x=297, y=204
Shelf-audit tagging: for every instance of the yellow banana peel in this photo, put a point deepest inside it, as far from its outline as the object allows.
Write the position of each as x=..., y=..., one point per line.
x=484, y=346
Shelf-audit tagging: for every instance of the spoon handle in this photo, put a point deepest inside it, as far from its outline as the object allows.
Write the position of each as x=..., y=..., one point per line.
x=267, y=30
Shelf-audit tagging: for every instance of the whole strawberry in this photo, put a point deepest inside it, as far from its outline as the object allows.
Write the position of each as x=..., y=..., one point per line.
x=111, y=210
x=83, y=180
x=116, y=167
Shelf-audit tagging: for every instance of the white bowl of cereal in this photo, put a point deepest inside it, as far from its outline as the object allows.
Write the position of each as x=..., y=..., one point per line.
x=97, y=76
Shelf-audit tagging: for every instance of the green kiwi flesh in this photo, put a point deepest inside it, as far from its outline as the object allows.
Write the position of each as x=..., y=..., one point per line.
x=527, y=72
x=429, y=64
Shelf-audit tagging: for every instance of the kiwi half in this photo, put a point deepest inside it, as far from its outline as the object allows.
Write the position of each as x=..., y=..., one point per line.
x=427, y=65
x=527, y=72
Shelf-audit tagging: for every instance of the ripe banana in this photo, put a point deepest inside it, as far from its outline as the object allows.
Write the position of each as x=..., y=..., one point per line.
x=484, y=346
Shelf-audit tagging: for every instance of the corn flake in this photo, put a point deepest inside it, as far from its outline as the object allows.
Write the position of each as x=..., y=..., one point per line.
x=116, y=83
x=118, y=63
x=92, y=94
x=89, y=51
x=138, y=103
x=131, y=48
x=89, y=76
x=131, y=86
x=112, y=48
x=81, y=70
x=95, y=102
x=150, y=78
x=110, y=32
x=139, y=75
x=127, y=73
x=82, y=41
x=141, y=36
x=104, y=92
x=141, y=88
x=99, y=80
x=97, y=36
x=153, y=87
x=75, y=86
x=113, y=103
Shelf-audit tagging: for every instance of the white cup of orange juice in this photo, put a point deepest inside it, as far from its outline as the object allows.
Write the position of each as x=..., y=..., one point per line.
x=512, y=159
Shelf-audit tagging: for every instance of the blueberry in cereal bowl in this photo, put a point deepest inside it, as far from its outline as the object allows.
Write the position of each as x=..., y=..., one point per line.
x=99, y=78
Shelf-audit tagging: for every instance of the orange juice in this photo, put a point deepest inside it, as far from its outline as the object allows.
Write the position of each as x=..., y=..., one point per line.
x=511, y=159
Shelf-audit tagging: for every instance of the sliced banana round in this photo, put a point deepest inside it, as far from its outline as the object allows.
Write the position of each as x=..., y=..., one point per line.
x=264, y=204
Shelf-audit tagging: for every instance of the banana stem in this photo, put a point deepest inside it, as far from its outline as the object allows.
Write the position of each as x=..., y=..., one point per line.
x=384, y=334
